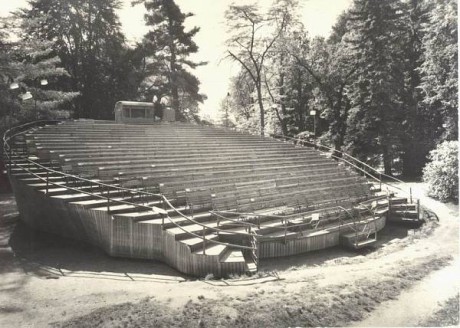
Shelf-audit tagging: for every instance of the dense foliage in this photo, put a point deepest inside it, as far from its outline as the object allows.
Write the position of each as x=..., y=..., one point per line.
x=441, y=173
x=383, y=86
x=30, y=78
x=79, y=47
x=167, y=47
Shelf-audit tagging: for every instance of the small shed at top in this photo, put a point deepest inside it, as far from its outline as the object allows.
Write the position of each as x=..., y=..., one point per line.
x=142, y=112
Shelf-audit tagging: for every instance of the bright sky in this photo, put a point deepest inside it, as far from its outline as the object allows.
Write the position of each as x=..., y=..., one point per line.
x=318, y=16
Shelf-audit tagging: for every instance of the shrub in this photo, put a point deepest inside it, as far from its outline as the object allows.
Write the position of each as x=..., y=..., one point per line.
x=441, y=173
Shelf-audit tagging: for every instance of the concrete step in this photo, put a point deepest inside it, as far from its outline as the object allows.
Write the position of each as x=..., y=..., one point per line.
x=212, y=249
x=232, y=255
x=196, y=243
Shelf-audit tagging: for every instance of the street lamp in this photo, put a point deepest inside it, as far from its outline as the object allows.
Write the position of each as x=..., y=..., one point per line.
x=26, y=96
x=226, y=109
x=313, y=113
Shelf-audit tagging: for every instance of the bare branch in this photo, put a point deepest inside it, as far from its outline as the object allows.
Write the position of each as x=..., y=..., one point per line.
x=243, y=64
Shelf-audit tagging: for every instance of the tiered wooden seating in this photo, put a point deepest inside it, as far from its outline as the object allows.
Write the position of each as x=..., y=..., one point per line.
x=198, y=169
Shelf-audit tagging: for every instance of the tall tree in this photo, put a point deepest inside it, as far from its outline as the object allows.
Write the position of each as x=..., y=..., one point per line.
x=30, y=76
x=331, y=66
x=288, y=84
x=253, y=35
x=86, y=34
x=241, y=100
x=168, y=47
x=417, y=125
x=375, y=33
x=440, y=66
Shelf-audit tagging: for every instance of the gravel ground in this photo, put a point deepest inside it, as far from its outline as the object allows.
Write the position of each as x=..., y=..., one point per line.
x=46, y=280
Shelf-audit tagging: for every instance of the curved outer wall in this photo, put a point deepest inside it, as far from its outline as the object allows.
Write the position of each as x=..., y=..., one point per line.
x=127, y=238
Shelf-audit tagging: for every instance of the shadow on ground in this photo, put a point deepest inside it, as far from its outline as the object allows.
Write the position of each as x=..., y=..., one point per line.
x=39, y=251
x=46, y=254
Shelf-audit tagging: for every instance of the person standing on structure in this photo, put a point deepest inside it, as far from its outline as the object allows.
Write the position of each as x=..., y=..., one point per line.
x=157, y=109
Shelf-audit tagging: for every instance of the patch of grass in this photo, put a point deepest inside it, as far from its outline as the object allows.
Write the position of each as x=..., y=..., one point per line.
x=309, y=306
x=448, y=315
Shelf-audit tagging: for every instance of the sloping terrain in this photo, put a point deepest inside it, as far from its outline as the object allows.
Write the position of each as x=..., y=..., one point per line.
x=72, y=286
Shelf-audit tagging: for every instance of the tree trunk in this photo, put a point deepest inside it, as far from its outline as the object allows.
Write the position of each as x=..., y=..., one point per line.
x=387, y=161
x=261, y=108
x=172, y=66
x=413, y=160
x=282, y=93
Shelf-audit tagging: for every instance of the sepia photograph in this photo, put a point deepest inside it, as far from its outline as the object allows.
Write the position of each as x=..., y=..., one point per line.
x=229, y=163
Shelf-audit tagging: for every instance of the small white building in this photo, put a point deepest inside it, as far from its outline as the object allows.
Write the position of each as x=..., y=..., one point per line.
x=142, y=112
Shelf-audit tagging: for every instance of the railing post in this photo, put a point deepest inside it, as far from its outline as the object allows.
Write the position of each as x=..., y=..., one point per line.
x=9, y=158
x=204, y=241
x=108, y=200
x=257, y=251
x=418, y=209
x=389, y=202
x=47, y=180
x=410, y=193
x=285, y=231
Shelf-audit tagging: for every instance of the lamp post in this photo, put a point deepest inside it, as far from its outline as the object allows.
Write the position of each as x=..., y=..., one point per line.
x=313, y=113
x=226, y=109
x=28, y=95
x=14, y=86
x=275, y=109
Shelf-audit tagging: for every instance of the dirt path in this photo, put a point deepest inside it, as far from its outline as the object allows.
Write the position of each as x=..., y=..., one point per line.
x=429, y=294
x=419, y=302
x=43, y=280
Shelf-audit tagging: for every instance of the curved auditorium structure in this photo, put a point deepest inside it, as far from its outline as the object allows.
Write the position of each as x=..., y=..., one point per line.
x=200, y=198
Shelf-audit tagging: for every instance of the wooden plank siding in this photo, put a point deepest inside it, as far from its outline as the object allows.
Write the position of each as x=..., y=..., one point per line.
x=147, y=241
x=271, y=249
x=124, y=237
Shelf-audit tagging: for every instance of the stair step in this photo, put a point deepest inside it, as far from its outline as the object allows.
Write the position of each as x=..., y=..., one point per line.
x=410, y=219
x=365, y=243
x=82, y=196
x=252, y=267
x=196, y=243
x=233, y=255
x=398, y=200
x=404, y=206
x=141, y=217
x=212, y=249
x=95, y=202
x=404, y=213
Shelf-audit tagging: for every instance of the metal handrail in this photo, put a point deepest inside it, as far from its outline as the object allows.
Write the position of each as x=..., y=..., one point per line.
x=8, y=137
x=101, y=184
x=137, y=205
x=332, y=153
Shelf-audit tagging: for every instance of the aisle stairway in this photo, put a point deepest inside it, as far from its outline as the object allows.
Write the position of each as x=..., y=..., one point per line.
x=227, y=193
